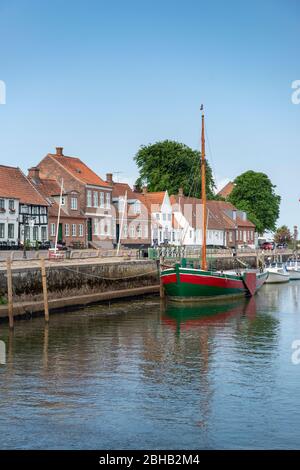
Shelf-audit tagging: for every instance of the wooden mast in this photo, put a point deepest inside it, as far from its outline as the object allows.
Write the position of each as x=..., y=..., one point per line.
x=203, y=189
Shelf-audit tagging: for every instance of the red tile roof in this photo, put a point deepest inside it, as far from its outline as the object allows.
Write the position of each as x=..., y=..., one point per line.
x=227, y=190
x=120, y=189
x=79, y=170
x=150, y=199
x=48, y=187
x=14, y=184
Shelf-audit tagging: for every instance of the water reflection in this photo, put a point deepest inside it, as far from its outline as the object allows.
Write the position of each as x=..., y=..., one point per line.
x=145, y=374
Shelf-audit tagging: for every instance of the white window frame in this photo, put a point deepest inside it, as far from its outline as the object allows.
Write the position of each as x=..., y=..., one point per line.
x=74, y=231
x=52, y=230
x=80, y=228
x=102, y=199
x=67, y=230
x=107, y=200
x=89, y=198
x=95, y=199
x=74, y=203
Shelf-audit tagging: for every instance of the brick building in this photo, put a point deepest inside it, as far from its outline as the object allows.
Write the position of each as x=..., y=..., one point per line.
x=72, y=224
x=130, y=210
x=93, y=193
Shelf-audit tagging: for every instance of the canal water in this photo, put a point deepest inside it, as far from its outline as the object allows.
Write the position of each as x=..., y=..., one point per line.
x=141, y=375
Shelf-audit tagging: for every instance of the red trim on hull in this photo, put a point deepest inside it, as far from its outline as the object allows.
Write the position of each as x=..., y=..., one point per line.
x=211, y=281
x=168, y=279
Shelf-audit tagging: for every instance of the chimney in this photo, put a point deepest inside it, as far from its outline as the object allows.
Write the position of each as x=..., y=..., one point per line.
x=59, y=151
x=180, y=192
x=34, y=174
x=109, y=178
x=144, y=189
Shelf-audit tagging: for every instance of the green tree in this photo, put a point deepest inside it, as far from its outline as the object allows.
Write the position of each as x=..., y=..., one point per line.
x=254, y=193
x=282, y=235
x=170, y=165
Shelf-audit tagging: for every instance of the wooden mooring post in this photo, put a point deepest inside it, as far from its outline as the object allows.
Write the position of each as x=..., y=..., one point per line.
x=10, y=294
x=45, y=292
x=161, y=286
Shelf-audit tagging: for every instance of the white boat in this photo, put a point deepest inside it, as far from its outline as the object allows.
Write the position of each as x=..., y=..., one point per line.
x=293, y=268
x=277, y=274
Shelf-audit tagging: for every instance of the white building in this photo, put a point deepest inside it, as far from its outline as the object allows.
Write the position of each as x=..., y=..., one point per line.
x=9, y=211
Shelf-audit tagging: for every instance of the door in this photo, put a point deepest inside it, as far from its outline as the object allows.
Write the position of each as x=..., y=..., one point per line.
x=90, y=229
x=60, y=233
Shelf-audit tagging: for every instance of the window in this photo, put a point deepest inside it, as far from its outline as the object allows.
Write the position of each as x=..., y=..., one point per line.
x=241, y=235
x=108, y=226
x=2, y=230
x=73, y=230
x=95, y=195
x=125, y=230
x=139, y=231
x=102, y=228
x=145, y=231
x=173, y=236
x=89, y=198
x=101, y=199
x=95, y=223
x=11, y=205
x=44, y=233
x=63, y=201
x=80, y=230
x=157, y=216
x=164, y=217
x=2, y=204
x=35, y=210
x=27, y=233
x=11, y=231
x=74, y=203
x=169, y=216
x=52, y=230
x=132, y=231
x=137, y=207
x=121, y=204
x=43, y=219
x=43, y=210
x=67, y=230
x=35, y=233
x=107, y=200
x=230, y=236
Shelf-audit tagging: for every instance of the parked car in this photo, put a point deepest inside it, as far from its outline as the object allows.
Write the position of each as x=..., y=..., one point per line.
x=267, y=246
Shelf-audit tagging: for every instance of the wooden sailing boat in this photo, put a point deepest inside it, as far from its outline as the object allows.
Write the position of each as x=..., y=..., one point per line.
x=189, y=284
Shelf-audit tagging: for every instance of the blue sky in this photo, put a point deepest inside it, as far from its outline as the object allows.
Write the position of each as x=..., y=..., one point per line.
x=102, y=78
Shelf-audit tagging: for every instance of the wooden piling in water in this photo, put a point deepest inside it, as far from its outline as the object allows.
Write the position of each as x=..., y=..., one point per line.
x=10, y=294
x=161, y=286
x=45, y=292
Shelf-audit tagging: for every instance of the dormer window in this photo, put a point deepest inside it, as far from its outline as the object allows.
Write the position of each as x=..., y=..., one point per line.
x=74, y=203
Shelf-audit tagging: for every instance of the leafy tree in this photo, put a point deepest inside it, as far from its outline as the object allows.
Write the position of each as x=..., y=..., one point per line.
x=254, y=193
x=170, y=165
x=283, y=235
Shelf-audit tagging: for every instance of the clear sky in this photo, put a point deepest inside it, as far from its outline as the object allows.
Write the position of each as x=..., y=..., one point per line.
x=101, y=78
